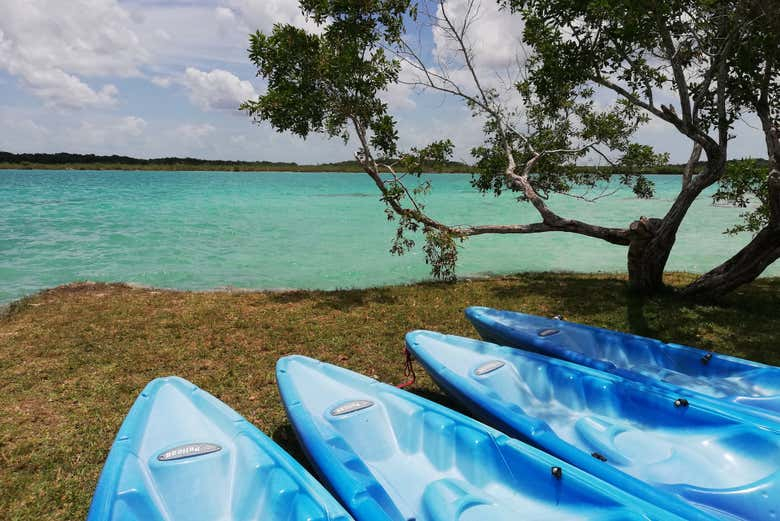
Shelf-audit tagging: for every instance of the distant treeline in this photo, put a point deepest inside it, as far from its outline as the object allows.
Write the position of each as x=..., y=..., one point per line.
x=63, y=160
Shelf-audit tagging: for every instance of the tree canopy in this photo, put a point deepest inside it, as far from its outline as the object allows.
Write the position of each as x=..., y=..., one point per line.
x=697, y=65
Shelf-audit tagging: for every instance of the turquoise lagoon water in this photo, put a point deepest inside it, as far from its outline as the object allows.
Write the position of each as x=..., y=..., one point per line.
x=205, y=230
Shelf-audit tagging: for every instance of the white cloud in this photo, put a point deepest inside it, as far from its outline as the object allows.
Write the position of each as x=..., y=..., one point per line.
x=163, y=35
x=161, y=81
x=60, y=89
x=108, y=132
x=226, y=20
x=494, y=40
x=494, y=35
x=51, y=45
x=195, y=131
x=190, y=33
x=263, y=14
x=399, y=95
x=132, y=126
x=218, y=89
x=22, y=134
x=238, y=140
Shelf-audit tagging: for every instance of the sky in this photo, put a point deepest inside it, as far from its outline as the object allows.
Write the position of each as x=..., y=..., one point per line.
x=154, y=78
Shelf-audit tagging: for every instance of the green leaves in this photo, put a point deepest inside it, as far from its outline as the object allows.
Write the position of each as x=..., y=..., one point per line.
x=441, y=253
x=322, y=82
x=745, y=186
x=432, y=157
x=385, y=136
x=297, y=98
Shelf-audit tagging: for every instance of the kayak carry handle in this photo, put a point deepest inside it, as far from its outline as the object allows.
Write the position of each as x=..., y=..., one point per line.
x=408, y=369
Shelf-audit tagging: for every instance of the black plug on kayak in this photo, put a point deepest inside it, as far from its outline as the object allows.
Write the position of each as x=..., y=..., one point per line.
x=681, y=402
x=558, y=317
x=557, y=472
x=706, y=358
x=599, y=456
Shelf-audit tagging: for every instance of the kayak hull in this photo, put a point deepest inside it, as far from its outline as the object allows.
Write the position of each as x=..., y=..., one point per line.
x=746, y=388
x=639, y=438
x=391, y=455
x=183, y=454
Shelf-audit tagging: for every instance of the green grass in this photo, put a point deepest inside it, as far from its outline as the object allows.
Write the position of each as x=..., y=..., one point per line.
x=73, y=359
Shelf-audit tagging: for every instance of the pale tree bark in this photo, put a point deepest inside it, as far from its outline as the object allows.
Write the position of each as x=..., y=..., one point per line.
x=439, y=80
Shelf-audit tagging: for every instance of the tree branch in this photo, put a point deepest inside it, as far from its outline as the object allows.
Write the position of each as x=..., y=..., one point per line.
x=677, y=69
x=665, y=113
x=690, y=167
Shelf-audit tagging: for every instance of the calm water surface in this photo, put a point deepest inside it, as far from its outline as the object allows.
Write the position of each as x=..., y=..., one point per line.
x=203, y=230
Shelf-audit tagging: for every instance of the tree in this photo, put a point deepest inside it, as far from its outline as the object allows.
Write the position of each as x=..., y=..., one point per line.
x=717, y=62
x=331, y=82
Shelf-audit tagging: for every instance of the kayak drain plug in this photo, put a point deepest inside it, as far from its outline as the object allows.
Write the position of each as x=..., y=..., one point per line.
x=557, y=472
x=681, y=402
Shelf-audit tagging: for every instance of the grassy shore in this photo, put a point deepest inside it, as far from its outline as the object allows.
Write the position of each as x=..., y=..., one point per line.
x=73, y=359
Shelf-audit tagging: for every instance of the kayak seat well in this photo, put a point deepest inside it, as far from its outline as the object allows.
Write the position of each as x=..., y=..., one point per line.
x=599, y=436
x=709, y=459
x=449, y=499
x=548, y=394
x=430, y=443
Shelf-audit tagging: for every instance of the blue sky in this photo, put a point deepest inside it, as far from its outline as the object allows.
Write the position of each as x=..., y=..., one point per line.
x=152, y=78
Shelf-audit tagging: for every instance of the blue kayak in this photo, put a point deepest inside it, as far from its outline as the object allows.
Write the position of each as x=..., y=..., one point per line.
x=752, y=387
x=643, y=440
x=391, y=455
x=183, y=455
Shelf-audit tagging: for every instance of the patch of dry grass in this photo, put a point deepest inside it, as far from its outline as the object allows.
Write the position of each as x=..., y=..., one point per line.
x=73, y=359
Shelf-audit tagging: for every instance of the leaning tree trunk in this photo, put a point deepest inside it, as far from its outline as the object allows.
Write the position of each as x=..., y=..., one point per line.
x=742, y=268
x=652, y=239
x=647, y=256
x=750, y=261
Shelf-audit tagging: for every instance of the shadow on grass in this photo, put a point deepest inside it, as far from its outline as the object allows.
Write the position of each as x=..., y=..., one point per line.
x=740, y=319
x=568, y=292
x=342, y=300
x=440, y=398
x=636, y=318
x=284, y=436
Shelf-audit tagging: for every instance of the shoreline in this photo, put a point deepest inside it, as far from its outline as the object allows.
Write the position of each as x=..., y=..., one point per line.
x=78, y=285
x=672, y=278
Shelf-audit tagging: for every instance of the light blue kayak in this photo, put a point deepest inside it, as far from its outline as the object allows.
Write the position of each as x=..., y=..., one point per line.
x=183, y=455
x=641, y=439
x=746, y=387
x=391, y=455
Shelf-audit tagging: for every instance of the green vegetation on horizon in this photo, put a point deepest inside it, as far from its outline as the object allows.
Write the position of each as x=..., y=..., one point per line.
x=73, y=359
x=66, y=161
